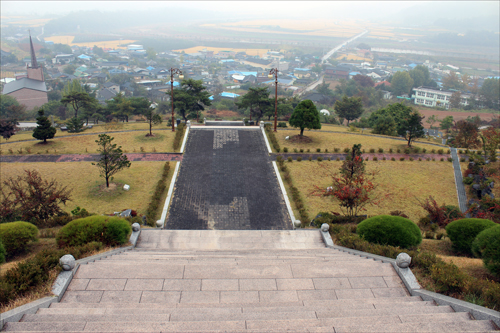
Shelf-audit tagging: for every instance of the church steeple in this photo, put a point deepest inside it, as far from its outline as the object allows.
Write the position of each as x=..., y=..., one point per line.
x=34, y=64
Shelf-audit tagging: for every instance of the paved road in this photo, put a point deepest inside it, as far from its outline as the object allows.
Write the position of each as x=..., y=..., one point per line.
x=226, y=182
x=338, y=47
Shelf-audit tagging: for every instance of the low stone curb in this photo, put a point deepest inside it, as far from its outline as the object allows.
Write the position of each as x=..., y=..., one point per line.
x=61, y=284
x=411, y=283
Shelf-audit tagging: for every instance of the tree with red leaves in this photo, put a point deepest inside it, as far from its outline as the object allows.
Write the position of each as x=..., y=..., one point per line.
x=353, y=187
x=30, y=198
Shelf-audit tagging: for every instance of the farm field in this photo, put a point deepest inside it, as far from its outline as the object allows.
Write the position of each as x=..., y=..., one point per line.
x=112, y=44
x=457, y=115
x=400, y=184
x=87, y=187
x=85, y=144
x=252, y=52
x=326, y=140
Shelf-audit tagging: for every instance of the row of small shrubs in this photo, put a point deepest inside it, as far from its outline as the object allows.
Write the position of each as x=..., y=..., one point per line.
x=272, y=137
x=31, y=273
x=155, y=199
x=446, y=277
x=297, y=199
x=414, y=150
x=179, y=135
x=108, y=230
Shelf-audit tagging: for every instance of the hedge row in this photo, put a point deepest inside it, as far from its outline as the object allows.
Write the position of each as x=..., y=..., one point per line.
x=447, y=278
x=272, y=137
x=414, y=150
x=109, y=230
x=155, y=199
x=179, y=135
x=31, y=273
x=297, y=199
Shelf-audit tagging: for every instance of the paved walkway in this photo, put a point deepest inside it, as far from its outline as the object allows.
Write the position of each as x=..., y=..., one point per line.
x=35, y=158
x=241, y=281
x=459, y=182
x=226, y=181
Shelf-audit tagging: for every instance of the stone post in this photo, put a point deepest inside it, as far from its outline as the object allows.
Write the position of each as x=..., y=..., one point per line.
x=189, y=123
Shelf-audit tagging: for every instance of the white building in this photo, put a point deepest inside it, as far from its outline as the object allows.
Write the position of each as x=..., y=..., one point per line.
x=436, y=98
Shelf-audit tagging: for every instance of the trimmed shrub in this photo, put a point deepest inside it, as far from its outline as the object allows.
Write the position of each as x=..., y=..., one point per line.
x=440, y=151
x=347, y=150
x=390, y=230
x=301, y=150
x=336, y=150
x=401, y=158
x=329, y=159
x=375, y=158
x=285, y=150
x=290, y=158
x=487, y=247
x=407, y=151
x=320, y=158
x=155, y=199
x=105, y=229
x=318, y=150
x=372, y=150
x=179, y=136
x=299, y=158
x=393, y=159
x=380, y=150
x=15, y=236
x=463, y=232
x=3, y=253
x=390, y=151
x=310, y=158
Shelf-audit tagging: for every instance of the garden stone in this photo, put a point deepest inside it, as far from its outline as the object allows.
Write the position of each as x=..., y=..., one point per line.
x=136, y=226
x=403, y=260
x=287, y=138
x=126, y=213
x=67, y=262
x=159, y=224
x=126, y=187
x=325, y=227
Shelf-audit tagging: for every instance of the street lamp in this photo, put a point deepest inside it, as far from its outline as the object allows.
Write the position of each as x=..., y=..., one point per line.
x=172, y=72
x=274, y=72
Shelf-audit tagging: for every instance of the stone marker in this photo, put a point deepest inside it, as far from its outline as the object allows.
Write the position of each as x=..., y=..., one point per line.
x=325, y=227
x=403, y=260
x=67, y=262
x=136, y=226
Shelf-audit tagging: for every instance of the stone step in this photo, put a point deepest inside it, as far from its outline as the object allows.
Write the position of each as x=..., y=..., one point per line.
x=233, y=315
x=460, y=326
x=209, y=261
x=69, y=309
x=377, y=324
x=316, y=303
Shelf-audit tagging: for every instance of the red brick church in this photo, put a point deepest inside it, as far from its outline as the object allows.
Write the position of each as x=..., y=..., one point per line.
x=31, y=90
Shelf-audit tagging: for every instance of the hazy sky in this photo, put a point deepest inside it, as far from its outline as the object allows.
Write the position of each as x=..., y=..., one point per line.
x=268, y=9
x=280, y=8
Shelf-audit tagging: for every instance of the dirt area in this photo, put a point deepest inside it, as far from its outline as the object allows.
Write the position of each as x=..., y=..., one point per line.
x=455, y=114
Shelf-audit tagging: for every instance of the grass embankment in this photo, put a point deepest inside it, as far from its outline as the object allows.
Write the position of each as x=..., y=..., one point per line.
x=327, y=140
x=400, y=184
x=130, y=142
x=88, y=189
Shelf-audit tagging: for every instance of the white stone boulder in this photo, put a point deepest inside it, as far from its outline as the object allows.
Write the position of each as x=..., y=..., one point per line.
x=67, y=262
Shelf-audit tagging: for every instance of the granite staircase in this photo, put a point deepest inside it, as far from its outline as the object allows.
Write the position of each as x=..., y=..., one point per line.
x=241, y=281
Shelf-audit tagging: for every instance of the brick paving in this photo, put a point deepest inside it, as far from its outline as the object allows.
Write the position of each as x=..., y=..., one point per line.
x=87, y=157
x=226, y=182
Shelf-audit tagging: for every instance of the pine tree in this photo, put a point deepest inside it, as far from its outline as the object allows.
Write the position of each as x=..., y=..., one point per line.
x=305, y=115
x=112, y=158
x=44, y=130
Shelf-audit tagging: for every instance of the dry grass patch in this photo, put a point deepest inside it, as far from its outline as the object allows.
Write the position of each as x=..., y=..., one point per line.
x=326, y=140
x=84, y=181
x=85, y=144
x=399, y=184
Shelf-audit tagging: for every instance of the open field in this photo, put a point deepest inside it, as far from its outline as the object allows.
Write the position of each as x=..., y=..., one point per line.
x=252, y=52
x=457, y=115
x=31, y=23
x=400, y=184
x=87, y=187
x=327, y=140
x=352, y=57
x=83, y=144
x=112, y=44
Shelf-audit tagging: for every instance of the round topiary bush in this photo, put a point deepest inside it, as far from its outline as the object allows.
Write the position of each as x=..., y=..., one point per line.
x=15, y=236
x=390, y=230
x=463, y=232
x=108, y=230
x=487, y=246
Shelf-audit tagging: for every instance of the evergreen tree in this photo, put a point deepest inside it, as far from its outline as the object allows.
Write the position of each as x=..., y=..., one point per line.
x=304, y=116
x=112, y=158
x=44, y=130
x=349, y=108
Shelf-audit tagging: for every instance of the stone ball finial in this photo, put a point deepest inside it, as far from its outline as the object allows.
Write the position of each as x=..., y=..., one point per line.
x=136, y=226
x=403, y=260
x=159, y=224
x=297, y=223
x=325, y=227
x=67, y=262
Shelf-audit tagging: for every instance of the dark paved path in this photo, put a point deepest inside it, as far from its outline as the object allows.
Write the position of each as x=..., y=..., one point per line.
x=87, y=157
x=462, y=196
x=226, y=182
